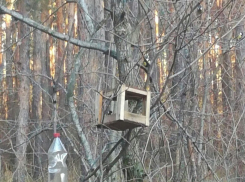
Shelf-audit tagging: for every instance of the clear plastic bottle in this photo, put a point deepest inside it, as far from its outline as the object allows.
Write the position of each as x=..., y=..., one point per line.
x=57, y=155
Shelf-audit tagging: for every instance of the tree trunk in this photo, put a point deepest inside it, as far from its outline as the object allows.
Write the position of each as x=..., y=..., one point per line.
x=9, y=62
x=46, y=72
x=226, y=69
x=226, y=82
x=201, y=137
x=37, y=95
x=239, y=71
x=24, y=95
x=1, y=92
x=59, y=61
x=239, y=92
x=178, y=94
x=122, y=29
x=110, y=83
x=46, y=100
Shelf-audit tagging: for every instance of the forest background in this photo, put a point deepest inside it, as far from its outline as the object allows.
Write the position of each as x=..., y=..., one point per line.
x=188, y=53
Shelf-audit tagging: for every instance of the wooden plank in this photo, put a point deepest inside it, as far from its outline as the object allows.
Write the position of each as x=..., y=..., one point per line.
x=136, y=91
x=112, y=106
x=121, y=103
x=133, y=96
x=122, y=125
x=133, y=90
x=144, y=106
x=148, y=106
x=109, y=118
x=132, y=117
x=119, y=125
x=126, y=105
x=98, y=106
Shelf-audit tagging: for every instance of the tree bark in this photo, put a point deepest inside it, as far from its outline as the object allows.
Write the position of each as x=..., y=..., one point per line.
x=9, y=62
x=88, y=152
x=201, y=137
x=59, y=59
x=24, y=95
x=37, y=96
x=1, y=92
x=239, y=92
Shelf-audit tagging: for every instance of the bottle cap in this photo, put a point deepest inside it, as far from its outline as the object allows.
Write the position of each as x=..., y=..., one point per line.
x=56, y=135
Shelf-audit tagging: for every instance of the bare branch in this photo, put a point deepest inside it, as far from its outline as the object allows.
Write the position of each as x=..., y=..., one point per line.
x=56, y=34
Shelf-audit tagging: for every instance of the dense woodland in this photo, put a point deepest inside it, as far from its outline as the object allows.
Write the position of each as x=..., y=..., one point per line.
x=189, y=53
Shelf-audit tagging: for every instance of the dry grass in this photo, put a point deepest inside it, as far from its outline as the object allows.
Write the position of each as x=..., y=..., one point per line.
x=73, y=175
x=7, y=176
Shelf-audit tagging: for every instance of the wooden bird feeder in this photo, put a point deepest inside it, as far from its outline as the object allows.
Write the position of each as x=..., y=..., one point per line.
x=112, y=108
